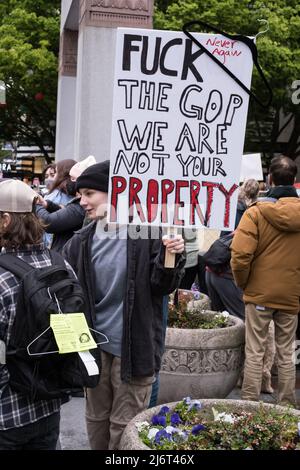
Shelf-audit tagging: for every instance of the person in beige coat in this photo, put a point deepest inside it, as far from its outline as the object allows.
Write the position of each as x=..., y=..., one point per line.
x=265, y=262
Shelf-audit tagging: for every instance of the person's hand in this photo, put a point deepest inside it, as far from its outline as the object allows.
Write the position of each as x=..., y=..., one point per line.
x=41, y=201
x=174, y=244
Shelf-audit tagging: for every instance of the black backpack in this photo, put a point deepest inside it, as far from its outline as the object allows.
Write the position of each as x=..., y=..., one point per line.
x=218, y=256
x=51, y=375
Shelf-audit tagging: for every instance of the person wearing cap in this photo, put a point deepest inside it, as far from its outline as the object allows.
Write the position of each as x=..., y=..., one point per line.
x=79, y=167
x=62, y=222
x=121, y=270
x=25, y=424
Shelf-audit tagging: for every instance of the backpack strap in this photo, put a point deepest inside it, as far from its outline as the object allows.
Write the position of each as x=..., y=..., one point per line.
x=228, y=237
x=19, y=268
x=15, y=265
x=57, y=259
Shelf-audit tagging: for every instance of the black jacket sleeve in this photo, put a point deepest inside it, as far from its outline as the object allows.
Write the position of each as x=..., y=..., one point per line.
x=68, y=218
x=52, y=207
x=70, y=252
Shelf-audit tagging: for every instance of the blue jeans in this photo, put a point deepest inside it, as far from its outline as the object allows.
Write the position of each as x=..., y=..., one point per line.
x=155, y=386
x=41, y=435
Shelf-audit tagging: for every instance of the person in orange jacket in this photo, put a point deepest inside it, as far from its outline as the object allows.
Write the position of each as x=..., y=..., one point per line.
x=265, y=261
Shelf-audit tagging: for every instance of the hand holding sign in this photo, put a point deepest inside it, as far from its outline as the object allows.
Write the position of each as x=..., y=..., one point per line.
x=174, y=246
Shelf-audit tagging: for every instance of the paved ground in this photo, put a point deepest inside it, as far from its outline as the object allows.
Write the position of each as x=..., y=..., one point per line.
x=72, y=429
x=73, y=433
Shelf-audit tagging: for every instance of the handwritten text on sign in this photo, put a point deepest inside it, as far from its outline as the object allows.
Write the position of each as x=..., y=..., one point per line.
x=178, y=130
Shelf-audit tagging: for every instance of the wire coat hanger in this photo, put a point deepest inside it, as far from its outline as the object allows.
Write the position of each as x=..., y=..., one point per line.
x=57, y=351
x=49, y=327
x=250, y=43
x=261, y=20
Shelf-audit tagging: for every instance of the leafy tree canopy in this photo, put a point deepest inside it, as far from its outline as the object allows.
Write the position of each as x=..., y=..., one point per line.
x=278, y=49
x=29, y=45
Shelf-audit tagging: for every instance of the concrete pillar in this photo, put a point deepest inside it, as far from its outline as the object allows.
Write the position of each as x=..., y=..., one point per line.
x=94, y=92
x=86, y=86
x=66, y=97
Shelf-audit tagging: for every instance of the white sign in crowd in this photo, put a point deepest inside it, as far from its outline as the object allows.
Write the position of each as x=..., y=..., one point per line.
x=178, y=129
x=251, y=167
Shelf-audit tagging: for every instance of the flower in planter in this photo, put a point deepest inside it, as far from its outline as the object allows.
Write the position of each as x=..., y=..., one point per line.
x=189, y=426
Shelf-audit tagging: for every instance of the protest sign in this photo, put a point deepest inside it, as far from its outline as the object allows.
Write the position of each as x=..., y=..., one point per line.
x=251, y=167
x=178, y=129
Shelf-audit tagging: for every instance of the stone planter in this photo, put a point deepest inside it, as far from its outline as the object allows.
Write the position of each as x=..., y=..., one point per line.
x=201, y=363
x=130, y=438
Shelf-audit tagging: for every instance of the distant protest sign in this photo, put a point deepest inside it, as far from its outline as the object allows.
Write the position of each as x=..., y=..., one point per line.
x=178, y=129
x=251, y=167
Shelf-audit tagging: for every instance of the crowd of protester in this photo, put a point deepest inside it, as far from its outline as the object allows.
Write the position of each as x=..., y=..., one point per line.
x=126, y=286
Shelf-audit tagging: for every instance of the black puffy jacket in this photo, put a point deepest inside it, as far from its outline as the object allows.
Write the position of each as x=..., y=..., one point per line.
x=62, y=222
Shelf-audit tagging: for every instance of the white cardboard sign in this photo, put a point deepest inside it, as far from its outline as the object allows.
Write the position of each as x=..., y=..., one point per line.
x=251, y=167
x=178, y=129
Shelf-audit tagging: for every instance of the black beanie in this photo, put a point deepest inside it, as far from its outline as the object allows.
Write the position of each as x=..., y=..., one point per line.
x=95, y=177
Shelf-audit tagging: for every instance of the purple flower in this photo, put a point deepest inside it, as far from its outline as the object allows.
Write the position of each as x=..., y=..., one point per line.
x=198, y=428
x=158, y=420
x=195, y=405
x=175, y=419
x=180, y=436
x=164, y=410
x=187, y=400
x=162, y=434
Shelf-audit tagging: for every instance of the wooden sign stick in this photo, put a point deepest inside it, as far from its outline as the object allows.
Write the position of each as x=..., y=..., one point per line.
x=170, y=257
